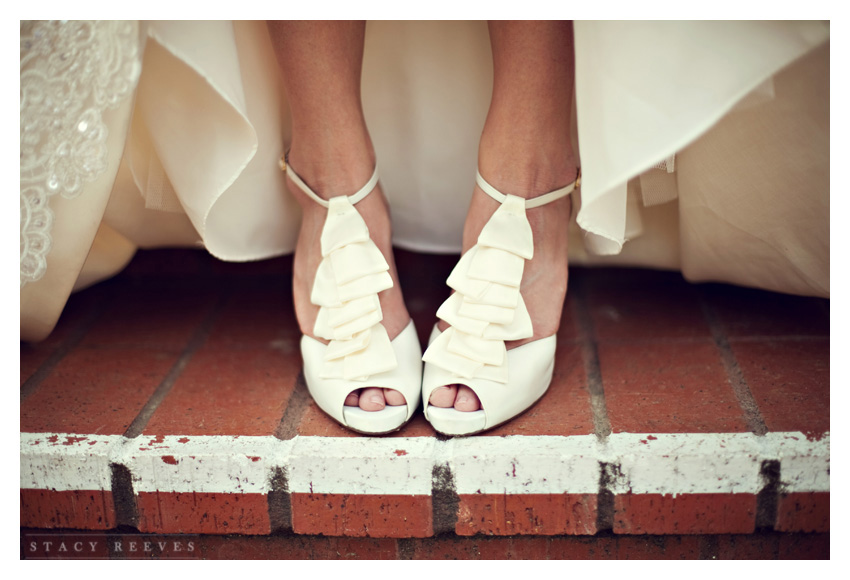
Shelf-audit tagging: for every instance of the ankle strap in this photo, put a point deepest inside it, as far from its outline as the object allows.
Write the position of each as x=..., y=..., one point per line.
x=534, y=201
x=353, y=199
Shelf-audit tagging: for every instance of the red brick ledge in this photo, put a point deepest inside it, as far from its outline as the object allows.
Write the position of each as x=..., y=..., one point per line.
x=54, y=544
x=417, y=487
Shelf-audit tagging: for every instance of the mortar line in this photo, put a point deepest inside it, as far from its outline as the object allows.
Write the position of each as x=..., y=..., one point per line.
x=197, y=339
x=445, y=501
x=767, y=500
x=590, y=357
x=70, y=343
x=297, y=404
x=746, y=401
x=123, y=496
x=279, y=502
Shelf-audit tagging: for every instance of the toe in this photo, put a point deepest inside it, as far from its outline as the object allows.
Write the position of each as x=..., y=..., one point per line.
x=372, y=399
x=467, y=400
x=443, y=396
x=352, y=399
x=393, y=397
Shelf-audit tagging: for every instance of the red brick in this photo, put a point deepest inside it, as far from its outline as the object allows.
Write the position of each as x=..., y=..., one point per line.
x=32, y=357
x=658, y=547
x=565, y=409
x=257, y=317
x=529, y=548
x=539, y=514
x=447, y=547
x=376, y=516
x=203, y=513
x=668, y=387
x=157, y=314
x=343, y=548
x=62, y=545
x=804, y=547
x=696, y=513
x=638, y=305
x=95, y=391
x=803, y=512
x=583, y=548
x=625, y=548
x=790, y=382
x=296, y=548
x=748, y=312
x=85, y=510
x=480, y=548
x=79, y=307
x=228, y=392
x=747, y=547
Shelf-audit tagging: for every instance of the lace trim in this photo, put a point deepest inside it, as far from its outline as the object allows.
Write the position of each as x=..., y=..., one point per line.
x=71, y=73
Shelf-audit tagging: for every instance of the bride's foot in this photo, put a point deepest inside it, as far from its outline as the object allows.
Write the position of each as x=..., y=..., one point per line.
x=332, y=152
x=525, y=150
x=544, y=280
x=327, y=182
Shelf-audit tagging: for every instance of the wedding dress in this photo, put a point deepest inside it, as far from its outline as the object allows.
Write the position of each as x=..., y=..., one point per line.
x=704, y=146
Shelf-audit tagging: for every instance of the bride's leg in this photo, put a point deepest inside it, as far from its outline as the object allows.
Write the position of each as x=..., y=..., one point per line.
x=332, y=151
x=525, y=150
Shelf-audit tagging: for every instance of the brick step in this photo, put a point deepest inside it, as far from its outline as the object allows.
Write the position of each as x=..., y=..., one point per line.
x=170, y=400
x=415, y=487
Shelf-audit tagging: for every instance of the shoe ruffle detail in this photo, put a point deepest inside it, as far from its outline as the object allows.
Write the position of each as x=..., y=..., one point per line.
x=352, y=272
x=487, y=308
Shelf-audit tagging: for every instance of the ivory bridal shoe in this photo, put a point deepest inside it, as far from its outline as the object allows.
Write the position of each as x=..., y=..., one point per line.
x=359, y=353
x=485, y=310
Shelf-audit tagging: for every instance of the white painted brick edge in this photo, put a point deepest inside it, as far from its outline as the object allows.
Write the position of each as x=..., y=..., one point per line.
x=679, y=463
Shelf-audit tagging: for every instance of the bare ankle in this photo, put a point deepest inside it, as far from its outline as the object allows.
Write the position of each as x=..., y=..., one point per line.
x=525, y=165
x=340, y=167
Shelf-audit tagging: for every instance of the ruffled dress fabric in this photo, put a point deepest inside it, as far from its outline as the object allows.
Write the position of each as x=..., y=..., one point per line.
x=704, y=147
